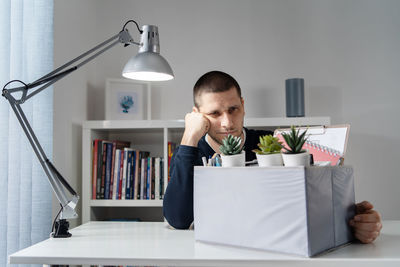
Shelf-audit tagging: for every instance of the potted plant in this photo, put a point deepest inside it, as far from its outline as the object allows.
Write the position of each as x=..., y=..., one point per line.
x=232, y=153
x=295, y=155
x=269, y=152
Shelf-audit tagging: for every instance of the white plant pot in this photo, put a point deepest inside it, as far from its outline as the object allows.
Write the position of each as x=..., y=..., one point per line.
x=237, y=160
x=300, y=159
x=269, y=160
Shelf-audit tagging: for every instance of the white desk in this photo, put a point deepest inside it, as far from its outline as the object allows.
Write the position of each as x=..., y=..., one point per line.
x=140, y=243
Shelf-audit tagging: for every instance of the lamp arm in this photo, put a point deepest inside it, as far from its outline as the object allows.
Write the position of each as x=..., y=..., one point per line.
x=55, y=178
x=122, y=37
x=57, y=181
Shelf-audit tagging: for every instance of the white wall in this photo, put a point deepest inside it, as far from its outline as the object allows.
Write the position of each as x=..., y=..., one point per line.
x=347, y=51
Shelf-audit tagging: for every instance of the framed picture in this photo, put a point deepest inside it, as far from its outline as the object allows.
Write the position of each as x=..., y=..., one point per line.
x=126, y=100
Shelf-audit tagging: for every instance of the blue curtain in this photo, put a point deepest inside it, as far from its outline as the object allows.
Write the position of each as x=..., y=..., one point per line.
x=26, y=53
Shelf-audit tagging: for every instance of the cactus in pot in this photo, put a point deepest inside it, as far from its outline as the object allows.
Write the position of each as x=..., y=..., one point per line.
x=231, y=145
x=268, y=145
x=232, y=153
x=294, y=140
x=269, y=152
x=295, y=155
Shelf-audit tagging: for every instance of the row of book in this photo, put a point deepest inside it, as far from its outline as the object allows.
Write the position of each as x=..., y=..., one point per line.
x=121, y=172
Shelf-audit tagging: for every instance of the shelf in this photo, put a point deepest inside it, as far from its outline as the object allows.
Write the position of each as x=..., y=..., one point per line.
x=133, y=124
x=126, y=203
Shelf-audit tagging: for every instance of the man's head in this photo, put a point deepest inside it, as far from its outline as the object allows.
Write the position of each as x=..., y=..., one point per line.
x=214, y=82
x=217, y=95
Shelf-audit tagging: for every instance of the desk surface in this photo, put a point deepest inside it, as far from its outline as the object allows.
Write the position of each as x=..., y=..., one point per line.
x=154, y=244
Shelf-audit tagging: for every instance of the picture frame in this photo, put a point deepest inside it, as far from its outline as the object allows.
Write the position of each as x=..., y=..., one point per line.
x=127, y=100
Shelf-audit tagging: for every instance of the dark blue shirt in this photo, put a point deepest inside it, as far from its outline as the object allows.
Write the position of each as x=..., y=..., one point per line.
x=178, y=199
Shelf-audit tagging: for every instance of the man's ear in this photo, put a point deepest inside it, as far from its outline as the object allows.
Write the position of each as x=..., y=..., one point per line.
x=242, y=101
x=195, y=109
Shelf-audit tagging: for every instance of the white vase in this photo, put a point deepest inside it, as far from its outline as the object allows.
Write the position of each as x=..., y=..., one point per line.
x=300, y=159
x=269, y=160
x=237, y=160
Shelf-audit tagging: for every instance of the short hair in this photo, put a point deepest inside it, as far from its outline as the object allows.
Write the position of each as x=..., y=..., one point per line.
x=214, y=82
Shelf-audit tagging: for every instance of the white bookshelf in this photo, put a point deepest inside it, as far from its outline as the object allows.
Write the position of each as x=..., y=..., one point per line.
x=153, y=136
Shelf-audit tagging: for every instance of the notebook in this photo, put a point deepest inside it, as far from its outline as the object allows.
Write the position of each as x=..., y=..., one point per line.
x=325, y=143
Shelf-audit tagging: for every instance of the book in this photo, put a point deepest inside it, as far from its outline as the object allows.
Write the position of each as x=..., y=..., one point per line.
x=157, y=178
x=125, y=173
x=142, y=173
x=133, y=173
x=115, y=181
x=99, y=168
x=120, y=174
x=108, y=169
x=130, y=190
x=114, y=148
x=162, y=178
x=142, y=179
x=153, y=178
x=103, y=168
x=95, y=149
x=128, y=174
x=148, y=178
x=136, y=190
x=93, y=192
x=119, y=144
x=149, y=183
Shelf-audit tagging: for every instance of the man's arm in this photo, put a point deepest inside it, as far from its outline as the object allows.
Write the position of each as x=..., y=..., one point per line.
x=178, y=199
x=366, y=223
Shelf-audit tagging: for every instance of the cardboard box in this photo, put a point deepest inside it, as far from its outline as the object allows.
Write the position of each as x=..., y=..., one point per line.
x=296, y=210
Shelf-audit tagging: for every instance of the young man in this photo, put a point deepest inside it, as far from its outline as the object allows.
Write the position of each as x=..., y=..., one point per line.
x=218, y=111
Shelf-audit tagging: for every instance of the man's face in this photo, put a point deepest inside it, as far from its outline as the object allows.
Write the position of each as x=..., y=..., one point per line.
x=225, y=111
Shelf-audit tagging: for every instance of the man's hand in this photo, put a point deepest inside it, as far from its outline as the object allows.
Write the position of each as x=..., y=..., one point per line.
x=196, y=125
x=367, y=222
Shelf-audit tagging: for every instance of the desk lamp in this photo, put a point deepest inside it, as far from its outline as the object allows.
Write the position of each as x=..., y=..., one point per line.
x=147, y=65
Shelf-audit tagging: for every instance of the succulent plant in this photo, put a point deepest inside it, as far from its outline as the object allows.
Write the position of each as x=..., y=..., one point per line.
x=268, y=145
x=231, y=145
x=294, y=140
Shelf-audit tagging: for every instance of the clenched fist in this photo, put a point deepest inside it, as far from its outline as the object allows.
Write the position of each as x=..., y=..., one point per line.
x=196, y=125
x=367, y=223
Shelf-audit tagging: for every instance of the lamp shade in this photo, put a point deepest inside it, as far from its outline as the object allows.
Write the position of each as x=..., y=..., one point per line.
x=148, y=66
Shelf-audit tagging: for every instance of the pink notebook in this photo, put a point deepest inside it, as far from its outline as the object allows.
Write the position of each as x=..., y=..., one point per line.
x=326, y=143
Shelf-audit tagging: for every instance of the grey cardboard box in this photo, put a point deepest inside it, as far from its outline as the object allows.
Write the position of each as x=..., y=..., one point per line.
x=296, y=210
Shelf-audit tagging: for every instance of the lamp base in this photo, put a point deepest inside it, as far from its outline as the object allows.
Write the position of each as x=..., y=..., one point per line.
x=61, y=229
